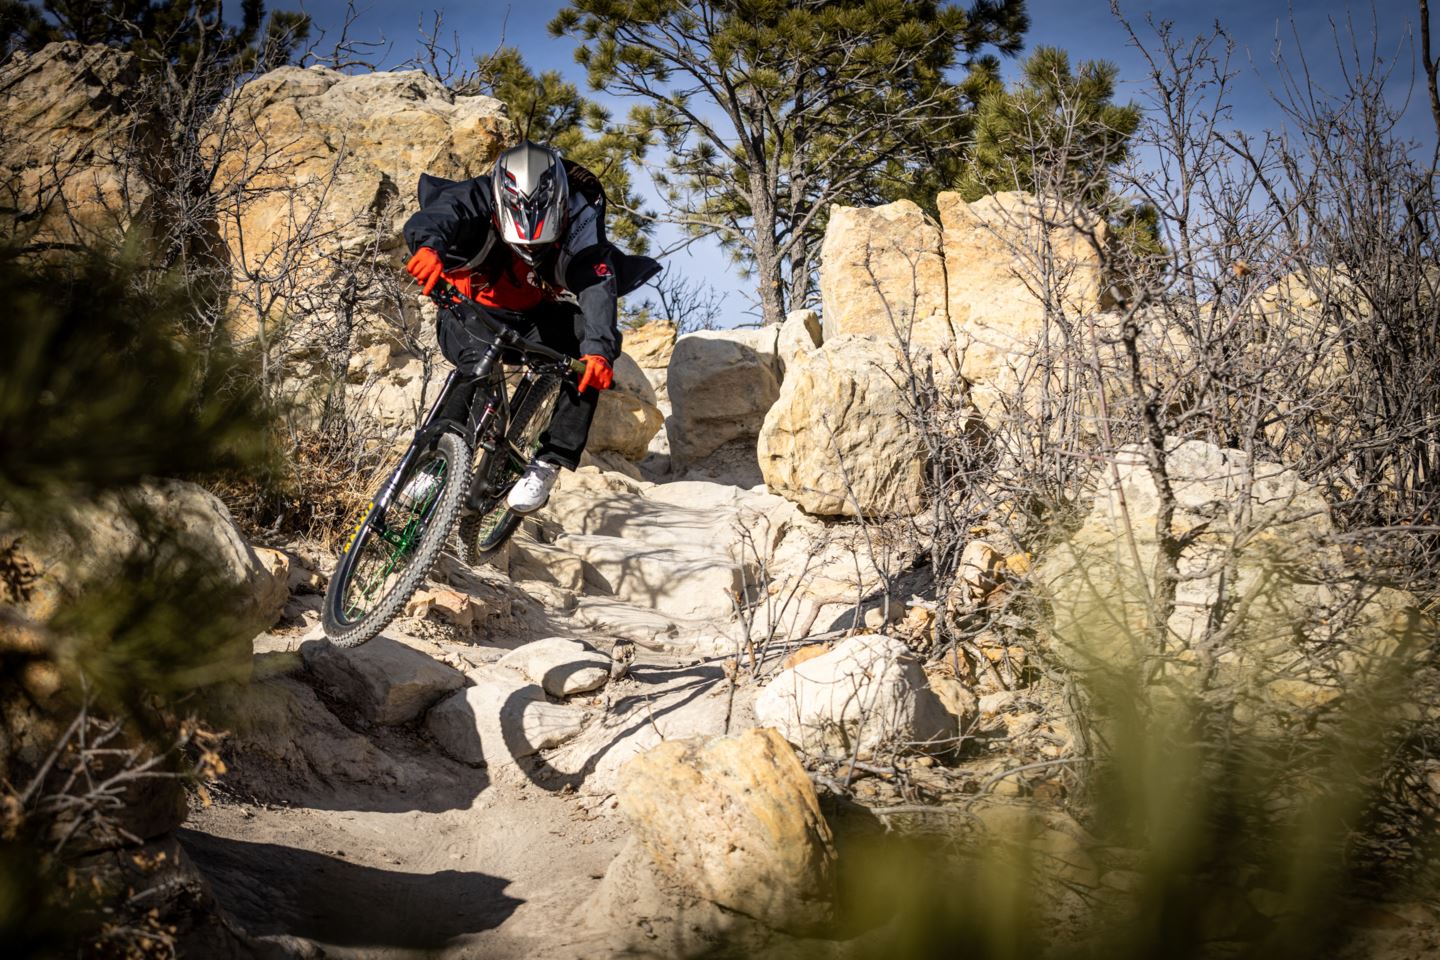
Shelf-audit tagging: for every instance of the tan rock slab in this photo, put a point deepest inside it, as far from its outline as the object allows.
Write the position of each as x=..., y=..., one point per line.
x=736, y=821
x=385, y=681
x=882, y=273
x=837, y=441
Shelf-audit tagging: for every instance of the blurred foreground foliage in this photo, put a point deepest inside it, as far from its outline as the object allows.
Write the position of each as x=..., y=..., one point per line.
x=1208, y=832
x=119, y=603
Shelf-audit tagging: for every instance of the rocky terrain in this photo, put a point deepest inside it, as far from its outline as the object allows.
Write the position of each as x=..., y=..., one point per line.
x=705, y=691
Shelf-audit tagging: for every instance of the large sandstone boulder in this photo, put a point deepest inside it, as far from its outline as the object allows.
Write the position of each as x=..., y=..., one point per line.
x=837, y=441
x=720, y=390
x=882, y=273
x=993, y=268
x=651, y=344
x=66, y=115
x=72, y=559
x=865, y=697
x=323, y=167
x=626, y=418
x=734, y=821
x=364, y=138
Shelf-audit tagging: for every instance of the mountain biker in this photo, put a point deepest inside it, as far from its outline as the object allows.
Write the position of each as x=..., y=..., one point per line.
x=527, y=242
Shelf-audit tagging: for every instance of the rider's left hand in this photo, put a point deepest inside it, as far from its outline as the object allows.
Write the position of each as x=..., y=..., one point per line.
x=598, y=373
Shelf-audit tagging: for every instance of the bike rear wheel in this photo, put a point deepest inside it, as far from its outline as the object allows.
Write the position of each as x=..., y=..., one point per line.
x=485, y=529
x=389, y=556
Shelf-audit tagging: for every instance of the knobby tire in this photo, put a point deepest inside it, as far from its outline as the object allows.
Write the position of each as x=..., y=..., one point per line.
x=438, y=521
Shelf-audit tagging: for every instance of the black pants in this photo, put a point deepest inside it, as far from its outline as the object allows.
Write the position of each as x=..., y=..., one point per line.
x=558, y=326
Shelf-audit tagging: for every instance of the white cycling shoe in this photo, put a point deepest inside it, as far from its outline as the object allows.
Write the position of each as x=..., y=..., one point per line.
x=533, y=488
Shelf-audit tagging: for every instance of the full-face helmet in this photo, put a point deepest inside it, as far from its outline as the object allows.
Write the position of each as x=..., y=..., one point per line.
x=531, y=198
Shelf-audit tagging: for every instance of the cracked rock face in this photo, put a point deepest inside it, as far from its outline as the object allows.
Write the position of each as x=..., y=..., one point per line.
x=837, y=441
x=65, y=113
x=882, y=271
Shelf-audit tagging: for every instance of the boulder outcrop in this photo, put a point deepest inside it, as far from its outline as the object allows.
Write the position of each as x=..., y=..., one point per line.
x=64, y=178
x=882, y=273
x=720, y=390
x=838, y=441
x=863, y=698
x=651, y=344
x=323, y=168
x=1262, y=597
x=734, y=821
x=68, y=560
x=384, y=680
x=364, y=139
x=992, y=274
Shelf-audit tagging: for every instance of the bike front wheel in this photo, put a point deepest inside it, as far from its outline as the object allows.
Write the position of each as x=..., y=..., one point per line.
x=389, y=554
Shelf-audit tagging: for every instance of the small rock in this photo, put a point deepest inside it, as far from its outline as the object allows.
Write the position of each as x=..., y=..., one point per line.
x=953, y=694
x=386, y=681
x=980, y=569
x=273, y=587
x=878, y=617
x=993, y=703
x=809, y=652
x=451, y=606
x=563, y=667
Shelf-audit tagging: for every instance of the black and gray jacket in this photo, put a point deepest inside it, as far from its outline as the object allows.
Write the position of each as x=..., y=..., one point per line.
x=455, y=220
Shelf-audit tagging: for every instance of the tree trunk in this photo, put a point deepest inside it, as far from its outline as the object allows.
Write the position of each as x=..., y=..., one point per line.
x=769, y=275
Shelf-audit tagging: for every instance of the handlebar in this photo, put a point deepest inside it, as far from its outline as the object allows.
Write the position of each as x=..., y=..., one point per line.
x=504, y=334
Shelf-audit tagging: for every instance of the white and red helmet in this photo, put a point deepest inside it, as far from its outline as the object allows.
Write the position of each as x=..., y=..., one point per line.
x=531, y=198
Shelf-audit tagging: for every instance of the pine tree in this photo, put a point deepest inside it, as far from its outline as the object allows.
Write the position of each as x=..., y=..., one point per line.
x=546, y=109
x=175, y=35
x=1056, y=118
x=773, y=110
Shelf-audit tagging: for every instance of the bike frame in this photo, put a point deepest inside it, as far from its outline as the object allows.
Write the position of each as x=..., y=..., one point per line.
x=479, y=429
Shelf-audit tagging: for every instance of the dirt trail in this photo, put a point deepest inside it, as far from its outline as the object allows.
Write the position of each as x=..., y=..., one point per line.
x=370, y=842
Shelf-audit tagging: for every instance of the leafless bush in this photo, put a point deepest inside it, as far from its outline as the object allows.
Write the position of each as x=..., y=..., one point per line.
x=689, y=304
x=1280, y=317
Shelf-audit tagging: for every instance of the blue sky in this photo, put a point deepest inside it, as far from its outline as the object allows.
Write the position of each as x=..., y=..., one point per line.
x=1085, y=28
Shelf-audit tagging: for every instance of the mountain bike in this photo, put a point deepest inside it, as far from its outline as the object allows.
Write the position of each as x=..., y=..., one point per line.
x=453, y=478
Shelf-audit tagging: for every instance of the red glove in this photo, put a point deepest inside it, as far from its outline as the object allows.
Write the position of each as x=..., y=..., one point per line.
x=426, y=268
x=597, y=373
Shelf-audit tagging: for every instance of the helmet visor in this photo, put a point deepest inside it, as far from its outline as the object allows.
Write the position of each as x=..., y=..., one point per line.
x=527, y=214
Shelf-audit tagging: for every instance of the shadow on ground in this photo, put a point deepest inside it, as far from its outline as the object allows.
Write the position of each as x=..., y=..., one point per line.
x=273, y=889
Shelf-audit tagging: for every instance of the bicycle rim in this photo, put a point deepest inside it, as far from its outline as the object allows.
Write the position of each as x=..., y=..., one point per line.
x=389, y=555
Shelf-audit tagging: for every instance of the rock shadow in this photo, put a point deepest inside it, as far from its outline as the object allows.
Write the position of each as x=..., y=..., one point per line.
x=679, y=695
x=273, y=889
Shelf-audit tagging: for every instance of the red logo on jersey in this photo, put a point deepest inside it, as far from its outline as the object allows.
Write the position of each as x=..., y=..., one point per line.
x=602, y=270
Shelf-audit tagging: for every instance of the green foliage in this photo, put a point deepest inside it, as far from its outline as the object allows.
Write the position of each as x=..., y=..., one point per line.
x=164, y=34
x=100, y=387
x=772, y=111
x=1054, y=118
x=101, y=391
x=546, y=109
